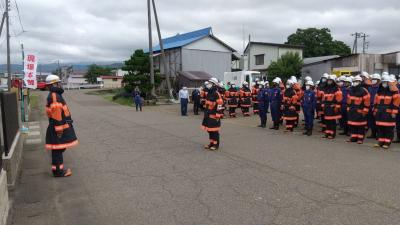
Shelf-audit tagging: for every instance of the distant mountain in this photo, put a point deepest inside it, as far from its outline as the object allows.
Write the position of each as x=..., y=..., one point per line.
x=77, y=67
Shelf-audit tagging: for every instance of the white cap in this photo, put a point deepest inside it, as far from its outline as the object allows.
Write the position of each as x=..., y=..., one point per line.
x=364, y=74
x=386, y=78
x=357, y=78
x=376, y=76
x=214, y=81
x=276, y=80
x=294, y=79
x=385, y=73
x=308, y=78
x=348, y=79
x=331, y=77
x=51, y=79
x=325, y=75
x=341, y=78
x=290, y=82
x=392, y=77
x=310, y=82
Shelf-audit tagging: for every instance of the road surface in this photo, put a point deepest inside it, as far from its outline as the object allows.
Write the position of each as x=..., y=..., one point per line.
x=150, y=168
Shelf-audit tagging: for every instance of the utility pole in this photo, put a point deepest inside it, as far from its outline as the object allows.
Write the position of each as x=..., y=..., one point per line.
x=153, y=89
x=356, y=35
x=8, y=44
x=365, y=44
x=162, y=52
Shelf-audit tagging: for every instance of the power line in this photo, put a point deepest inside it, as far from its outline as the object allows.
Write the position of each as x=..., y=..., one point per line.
x=19, y=16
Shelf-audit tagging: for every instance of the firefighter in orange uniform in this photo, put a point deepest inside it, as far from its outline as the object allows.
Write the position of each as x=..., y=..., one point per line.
x=358, y=102
x=245, y=99
x=212, y=118
x=232, y=96
x=60, y=133
x=290, y=101
x=254, y=95
x=386, y=107
x=331, y=104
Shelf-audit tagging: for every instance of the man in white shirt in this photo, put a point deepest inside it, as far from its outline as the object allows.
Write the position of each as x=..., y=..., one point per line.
x=184, y=98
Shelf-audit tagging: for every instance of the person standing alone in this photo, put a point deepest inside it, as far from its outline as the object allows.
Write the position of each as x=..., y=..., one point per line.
x=184, y=98
x=60, y=133
x=137, y=99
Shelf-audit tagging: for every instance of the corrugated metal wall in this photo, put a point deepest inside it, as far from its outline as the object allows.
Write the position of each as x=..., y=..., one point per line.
x=214, y=63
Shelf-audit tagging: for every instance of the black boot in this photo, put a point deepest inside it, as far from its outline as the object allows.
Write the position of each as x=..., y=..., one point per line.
x=309, y=132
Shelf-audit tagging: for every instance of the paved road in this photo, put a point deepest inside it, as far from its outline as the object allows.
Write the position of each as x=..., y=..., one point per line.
x=150, y=168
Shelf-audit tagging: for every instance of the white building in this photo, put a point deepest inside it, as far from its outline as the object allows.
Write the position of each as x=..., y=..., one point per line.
x=195, y=51
x=262, y=54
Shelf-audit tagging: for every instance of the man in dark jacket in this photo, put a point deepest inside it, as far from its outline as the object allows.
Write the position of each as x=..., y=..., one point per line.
x=196, y=101
x=263, y=103
x=60, y=133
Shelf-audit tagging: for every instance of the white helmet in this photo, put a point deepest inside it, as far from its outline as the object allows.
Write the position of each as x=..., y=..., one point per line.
x=331, y=77
x=385, y=73
x=308, y=78
x=51, y=79
x=205, y=83
x=290, y=82
x=214, y=81
x=348, y=79
x=376, y=76
x=386, y=78
x=266, y=82
x=310, y=82
x=341, y=78
x=325, y=75
x=256, y=80
x=276, y=81
x=294, y=79
x=392, y=77
x=357, y=78
x=261, y=83
x=364, y=74
x=317, y=82
x=245, y=83
x=221, y=84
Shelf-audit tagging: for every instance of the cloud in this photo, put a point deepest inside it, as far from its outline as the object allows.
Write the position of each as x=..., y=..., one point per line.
x=103, y=30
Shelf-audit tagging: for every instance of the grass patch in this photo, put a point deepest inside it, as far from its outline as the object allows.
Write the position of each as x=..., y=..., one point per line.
x=34, y=100
x=121, y=100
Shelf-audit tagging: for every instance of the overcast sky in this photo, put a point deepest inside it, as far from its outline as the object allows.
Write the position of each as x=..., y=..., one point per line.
x=106, y=30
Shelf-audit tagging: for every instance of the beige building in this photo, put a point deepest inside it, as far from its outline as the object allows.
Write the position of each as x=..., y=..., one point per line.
x=111, y=81
x=262, y=54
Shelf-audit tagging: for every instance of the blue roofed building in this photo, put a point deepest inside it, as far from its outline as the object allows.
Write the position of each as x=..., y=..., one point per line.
x=196, y=51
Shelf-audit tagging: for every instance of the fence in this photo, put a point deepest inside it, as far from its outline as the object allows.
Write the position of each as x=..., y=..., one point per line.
x=10, y=120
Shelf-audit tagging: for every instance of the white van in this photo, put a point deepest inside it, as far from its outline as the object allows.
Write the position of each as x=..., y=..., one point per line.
x=239, y=77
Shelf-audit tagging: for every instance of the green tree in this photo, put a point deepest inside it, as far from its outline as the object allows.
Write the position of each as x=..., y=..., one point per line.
x=289, y=64
x=95, y=71
x=138, y=68
x=318, y=42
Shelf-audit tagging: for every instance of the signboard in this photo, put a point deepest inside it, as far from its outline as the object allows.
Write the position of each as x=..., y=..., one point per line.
x=30, y=66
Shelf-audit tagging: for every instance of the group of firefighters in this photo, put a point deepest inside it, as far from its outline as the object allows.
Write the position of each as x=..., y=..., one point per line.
x=357, y=104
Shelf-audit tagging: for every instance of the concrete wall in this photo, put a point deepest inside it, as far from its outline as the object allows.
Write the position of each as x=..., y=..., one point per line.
x=109, y=83
x=4, y=200
x=214, y=63
x=12, y=162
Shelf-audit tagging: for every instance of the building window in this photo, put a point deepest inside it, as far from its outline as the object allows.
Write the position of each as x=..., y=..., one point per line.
x=260, y=59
